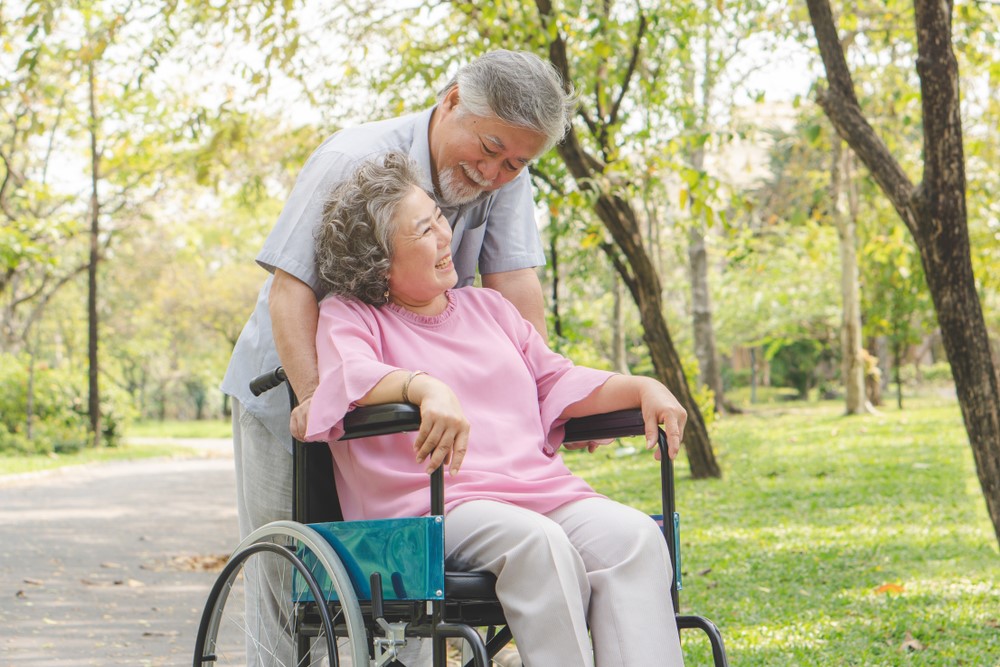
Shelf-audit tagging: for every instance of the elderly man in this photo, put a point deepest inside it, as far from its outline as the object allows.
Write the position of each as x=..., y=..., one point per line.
x=494, y=117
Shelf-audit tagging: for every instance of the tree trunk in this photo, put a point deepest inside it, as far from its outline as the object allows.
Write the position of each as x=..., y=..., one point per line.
x=644, y=284
x=701, y=316
x=29, y=409
x=554, y=262
x=94, y=396
x=852, y=362
x=897, y=366
x=637, y=270
x=668, y=367
x=935, y=215
x=619, y=358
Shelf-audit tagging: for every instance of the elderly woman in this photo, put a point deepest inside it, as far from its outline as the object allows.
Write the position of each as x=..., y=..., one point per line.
x=492, y=399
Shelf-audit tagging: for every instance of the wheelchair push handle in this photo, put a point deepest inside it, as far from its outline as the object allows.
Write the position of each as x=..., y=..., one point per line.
x=268, y=381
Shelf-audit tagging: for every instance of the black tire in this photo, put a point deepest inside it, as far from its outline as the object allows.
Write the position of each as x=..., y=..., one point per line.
x=283, y=626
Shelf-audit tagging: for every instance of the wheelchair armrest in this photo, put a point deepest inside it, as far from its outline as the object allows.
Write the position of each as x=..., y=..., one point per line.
x=370, y=420
x=618, y=424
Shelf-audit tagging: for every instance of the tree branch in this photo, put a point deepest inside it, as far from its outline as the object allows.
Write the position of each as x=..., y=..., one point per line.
x=840, y=103
x=591, y=125
x=39, y=308
x=621, y=268
x=545, y=178
x=630, y=72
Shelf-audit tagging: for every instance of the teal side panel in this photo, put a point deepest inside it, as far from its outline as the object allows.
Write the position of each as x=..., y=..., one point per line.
x=658, y=518
x=408, y=553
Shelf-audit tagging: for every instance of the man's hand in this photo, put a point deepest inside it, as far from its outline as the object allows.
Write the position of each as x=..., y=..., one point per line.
x=300, y=419
x=590, y=445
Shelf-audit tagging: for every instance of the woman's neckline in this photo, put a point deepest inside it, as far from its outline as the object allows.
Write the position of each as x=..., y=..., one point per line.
x=420, y=318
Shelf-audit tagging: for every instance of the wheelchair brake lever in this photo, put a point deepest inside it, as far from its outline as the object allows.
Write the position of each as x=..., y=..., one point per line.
x=386, y=648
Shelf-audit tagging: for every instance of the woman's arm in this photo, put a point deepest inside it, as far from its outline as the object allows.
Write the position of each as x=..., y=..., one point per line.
x=444, y=430
x=658, y=405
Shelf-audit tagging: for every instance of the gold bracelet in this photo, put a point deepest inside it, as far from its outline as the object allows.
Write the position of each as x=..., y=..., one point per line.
x=406, y=385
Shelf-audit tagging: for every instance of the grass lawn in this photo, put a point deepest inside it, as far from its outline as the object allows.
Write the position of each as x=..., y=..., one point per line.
x=831, y=540
x=205, y=428
x=149, y=431
x=16, y=464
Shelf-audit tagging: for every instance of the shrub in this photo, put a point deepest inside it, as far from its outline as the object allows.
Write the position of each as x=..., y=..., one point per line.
x=59, y=411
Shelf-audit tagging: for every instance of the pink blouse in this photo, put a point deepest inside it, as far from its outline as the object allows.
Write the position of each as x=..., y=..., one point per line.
x=512, y=388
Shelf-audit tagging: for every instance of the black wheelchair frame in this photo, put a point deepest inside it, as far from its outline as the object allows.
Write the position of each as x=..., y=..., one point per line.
x=469, y=599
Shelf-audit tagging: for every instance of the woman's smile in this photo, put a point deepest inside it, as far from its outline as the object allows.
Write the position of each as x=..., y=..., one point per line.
x=422, y=267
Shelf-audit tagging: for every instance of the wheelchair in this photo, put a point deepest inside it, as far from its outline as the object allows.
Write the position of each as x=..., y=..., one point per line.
x=352, y=592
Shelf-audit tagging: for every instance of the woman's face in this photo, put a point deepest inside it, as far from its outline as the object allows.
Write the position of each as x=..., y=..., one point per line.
x=421, y=268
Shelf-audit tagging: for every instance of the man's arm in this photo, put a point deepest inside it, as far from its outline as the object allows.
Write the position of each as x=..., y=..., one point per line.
x=294, y=316
x=523, y=289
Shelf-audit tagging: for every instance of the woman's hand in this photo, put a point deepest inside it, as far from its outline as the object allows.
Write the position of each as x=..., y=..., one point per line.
x=444, y=430
x=659, y=406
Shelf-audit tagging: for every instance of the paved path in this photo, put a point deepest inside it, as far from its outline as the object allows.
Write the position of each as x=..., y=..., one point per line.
x=103, y=564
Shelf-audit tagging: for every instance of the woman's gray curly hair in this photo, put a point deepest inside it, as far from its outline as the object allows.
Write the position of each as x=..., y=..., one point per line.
x=354, y=238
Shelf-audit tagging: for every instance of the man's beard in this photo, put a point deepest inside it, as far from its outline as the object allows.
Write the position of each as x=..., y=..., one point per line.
x=455, y=190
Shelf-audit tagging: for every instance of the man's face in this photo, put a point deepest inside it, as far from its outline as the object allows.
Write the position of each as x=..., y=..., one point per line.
x=472, y=154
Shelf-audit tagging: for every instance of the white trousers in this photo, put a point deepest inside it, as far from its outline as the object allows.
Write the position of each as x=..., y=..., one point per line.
x=593, y=564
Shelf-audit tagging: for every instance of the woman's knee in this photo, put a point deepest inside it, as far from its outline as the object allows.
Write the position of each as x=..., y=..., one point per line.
x=480, y=534
x=537, y=535
x=610, y=534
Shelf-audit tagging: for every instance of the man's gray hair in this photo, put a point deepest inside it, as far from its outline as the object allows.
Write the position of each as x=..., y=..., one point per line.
x=519, y=88
x=354, y=238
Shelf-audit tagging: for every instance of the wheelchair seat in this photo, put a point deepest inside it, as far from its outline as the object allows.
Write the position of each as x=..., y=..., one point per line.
x=469, y=585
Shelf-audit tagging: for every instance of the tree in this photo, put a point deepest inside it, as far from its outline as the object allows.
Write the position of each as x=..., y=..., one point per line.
x=710, y=38
x=612, y=204
x=603, y=50
x=934, y=212
x=900, y=310
x=120, y=128
x=852, y=359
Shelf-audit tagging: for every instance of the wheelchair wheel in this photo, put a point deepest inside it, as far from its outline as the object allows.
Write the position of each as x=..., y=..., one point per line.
x=263, y=608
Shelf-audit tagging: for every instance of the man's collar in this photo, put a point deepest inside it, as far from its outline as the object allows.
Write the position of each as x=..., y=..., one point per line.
x=420, y=149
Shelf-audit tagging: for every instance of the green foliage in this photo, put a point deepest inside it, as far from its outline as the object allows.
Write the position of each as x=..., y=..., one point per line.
x=934, y=374
x=59, y=409
x=794, y=364
x=779, y=285
x=895, y=302
x=829, y=538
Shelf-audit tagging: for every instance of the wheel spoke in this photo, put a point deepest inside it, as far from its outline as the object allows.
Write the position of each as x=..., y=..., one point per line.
x=254, y=618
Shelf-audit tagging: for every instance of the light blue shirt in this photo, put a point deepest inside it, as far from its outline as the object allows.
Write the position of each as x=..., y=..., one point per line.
x=496, y=233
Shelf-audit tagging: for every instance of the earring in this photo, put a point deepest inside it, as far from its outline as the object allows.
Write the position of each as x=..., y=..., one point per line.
x=386, y=296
